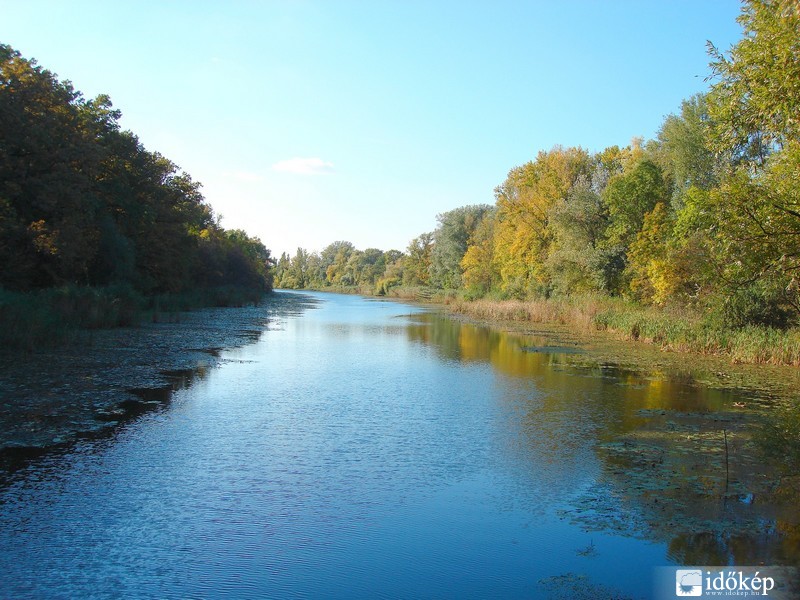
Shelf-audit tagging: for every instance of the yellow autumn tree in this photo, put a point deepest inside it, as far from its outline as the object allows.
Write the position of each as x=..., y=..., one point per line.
x=666, y=260
x=479, y=273
x=522, y=231
x=648, y=264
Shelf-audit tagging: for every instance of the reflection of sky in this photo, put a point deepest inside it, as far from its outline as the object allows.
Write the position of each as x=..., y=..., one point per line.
x=335, y=456
x=556, y=409
x=633, y=451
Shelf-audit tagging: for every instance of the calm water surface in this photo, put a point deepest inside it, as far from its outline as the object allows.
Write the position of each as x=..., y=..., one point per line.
x=359, y=449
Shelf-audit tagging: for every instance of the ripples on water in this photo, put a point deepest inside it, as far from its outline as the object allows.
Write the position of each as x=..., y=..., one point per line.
x=358, y=449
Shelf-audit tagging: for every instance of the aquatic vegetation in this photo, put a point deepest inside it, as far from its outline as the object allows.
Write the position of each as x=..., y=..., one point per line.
x=679, y=330
x=779, y=440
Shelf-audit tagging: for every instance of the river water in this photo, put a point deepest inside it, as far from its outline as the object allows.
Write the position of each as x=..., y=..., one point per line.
x=360, y=449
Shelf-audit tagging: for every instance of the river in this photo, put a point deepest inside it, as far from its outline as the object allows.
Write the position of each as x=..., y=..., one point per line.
x=373, y=449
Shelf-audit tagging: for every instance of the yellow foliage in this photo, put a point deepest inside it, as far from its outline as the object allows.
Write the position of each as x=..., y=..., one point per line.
x=44, y=240
x=522, y=233
x=651, y=280
x=662, y=268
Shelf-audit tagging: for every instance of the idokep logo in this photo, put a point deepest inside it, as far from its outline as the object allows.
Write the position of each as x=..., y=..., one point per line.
x=688, y=582
x=776, y=582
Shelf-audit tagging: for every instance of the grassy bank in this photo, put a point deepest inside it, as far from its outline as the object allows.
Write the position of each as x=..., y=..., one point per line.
x=29, y=320
x=680, y=331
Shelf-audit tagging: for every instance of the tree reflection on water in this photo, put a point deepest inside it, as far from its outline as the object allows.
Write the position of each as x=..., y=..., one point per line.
x=678, y=462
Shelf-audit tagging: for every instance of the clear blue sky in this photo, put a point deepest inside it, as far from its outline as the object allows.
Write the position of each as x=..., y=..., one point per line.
x=309, y=122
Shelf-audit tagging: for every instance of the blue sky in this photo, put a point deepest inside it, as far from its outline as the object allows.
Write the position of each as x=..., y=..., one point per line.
x=309, y=122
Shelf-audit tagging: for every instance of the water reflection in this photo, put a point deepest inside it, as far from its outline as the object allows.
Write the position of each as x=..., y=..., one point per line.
x=60, y=395
x=675, y=458
x=365, y=449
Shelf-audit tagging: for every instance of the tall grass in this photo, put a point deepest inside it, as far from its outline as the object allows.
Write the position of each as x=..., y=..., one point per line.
x=30, y=320
x=33, y=319
x=676, y=330
x=575, y=311
x=424, y=294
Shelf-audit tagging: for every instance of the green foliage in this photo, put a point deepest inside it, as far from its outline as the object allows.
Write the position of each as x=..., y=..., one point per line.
x=651, y=277
x=578, y=222
x=683, y=149
x=334, y=268
x=629, y=196
x=522, y=232
x=759, y=303
x=758, y=233
x=479, y=271
x=295, y=273
x=755, y=99
x=42, y=318
x=82, y=203
x=341, y=266
x=450, y=240
x=416, y=271
x=754, y=103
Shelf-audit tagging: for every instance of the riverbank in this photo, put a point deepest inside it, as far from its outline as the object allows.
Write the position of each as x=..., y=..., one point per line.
x=680, y=331
x=56, y=316
x=669, y=329
x=712, y=452
x=99, y=378
x=641, y=339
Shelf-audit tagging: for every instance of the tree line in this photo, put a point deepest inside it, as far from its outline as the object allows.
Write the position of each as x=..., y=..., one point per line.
x=705, y=215
x=83, y=203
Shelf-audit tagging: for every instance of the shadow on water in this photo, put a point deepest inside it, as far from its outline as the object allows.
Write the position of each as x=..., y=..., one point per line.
x=63, y=418
x=679, y=461
x=140, y=401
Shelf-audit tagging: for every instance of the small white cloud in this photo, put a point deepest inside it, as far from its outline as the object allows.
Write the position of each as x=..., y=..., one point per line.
x=303, y=166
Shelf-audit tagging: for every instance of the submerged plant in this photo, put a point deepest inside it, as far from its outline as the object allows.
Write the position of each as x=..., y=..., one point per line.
x=779, y=440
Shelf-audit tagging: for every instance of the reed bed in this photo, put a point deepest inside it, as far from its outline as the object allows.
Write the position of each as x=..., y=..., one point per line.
x=674, y=330
x=49, y=317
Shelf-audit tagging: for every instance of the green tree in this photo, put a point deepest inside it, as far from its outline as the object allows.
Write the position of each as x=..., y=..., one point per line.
x=755, y=99
x=417, y=264
x=281, y=269
x=757, y=243
x=370, y=266
x=82, y=202
x=393, y=273
x=49, y=160
x=334, y=260
x=629, y=196
x=450, y=243
x=578, y=221
x=479, y=272
x=651, y=275
x=755, y=105
x=683, y=150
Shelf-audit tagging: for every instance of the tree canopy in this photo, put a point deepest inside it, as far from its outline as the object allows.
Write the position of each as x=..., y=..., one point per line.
x=83, y=202
x=705, y=215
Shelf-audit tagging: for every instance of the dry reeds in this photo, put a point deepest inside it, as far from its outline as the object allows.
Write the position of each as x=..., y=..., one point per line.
x=675, y=330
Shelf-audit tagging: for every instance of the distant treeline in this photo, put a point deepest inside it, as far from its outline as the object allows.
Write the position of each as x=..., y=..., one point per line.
x=706, y=215
x=84, y=204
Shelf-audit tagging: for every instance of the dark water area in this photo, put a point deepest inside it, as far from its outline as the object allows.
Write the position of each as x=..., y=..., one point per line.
x=369, y=449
